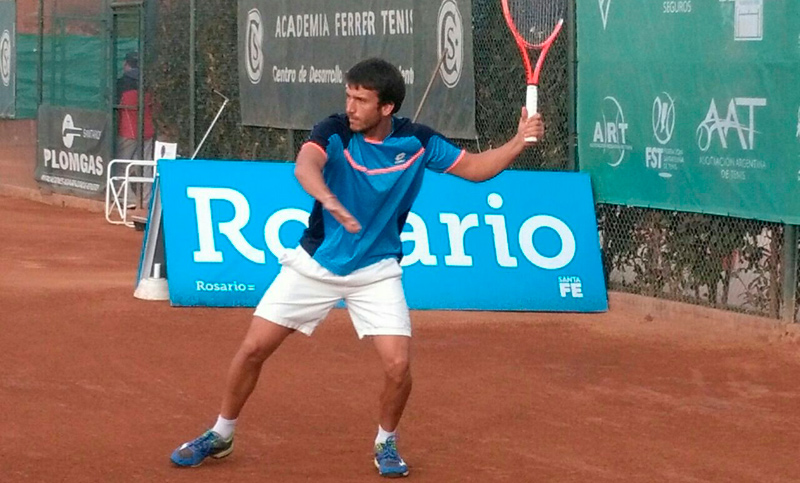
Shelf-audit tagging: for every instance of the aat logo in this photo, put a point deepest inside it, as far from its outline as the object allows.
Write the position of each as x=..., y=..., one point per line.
x=254, y=54
x=450, y=42
x=611, y=132
x=5, y=58
x=739, y=118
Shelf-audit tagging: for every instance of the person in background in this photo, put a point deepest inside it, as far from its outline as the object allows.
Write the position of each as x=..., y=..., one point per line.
x=128, y=118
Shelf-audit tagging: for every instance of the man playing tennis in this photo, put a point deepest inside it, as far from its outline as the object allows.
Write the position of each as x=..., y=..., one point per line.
x=364, y=168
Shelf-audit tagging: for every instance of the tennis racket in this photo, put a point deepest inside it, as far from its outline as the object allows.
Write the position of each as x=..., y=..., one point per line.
x=535, y=24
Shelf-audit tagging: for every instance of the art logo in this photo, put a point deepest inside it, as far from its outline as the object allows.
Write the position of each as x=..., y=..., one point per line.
x=450, y=41
x=5, y=57
x=716, y=127
x=604, y=7
x=663, y=158
x=254, y=58
x=610, y=134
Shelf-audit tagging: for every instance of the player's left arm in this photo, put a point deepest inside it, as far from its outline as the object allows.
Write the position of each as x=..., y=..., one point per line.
x=488, y=164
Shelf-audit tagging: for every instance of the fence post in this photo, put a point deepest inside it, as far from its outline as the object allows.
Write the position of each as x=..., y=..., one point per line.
x=40, y=55
x=572, y=69
x=789, y=282
x=192, y=69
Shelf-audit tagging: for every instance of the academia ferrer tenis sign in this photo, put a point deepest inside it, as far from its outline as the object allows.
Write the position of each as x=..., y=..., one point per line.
x=293, y=56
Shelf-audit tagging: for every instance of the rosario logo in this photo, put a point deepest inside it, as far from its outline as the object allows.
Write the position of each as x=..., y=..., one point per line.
x=450, y=43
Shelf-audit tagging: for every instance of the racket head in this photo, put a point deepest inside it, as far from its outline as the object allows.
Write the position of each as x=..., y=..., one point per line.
x=535, y=22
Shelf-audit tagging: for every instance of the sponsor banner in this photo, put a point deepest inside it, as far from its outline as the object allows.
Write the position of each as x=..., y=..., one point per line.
x=8, y=51
x=293, y=56
x=521, y=241
x=708, y=122
x=74, y=148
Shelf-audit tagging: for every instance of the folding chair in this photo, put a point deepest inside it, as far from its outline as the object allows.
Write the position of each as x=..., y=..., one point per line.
x=118, y=187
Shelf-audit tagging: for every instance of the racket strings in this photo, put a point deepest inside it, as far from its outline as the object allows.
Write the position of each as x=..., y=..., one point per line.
x=536, y=19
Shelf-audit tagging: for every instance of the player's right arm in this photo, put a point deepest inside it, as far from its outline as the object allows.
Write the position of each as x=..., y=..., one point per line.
x=308, y=170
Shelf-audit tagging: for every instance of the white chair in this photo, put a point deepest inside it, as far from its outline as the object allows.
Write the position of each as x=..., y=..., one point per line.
x=119, y=178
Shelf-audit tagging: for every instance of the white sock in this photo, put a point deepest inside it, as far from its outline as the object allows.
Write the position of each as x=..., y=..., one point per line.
x=383, y=435
x=224, y=427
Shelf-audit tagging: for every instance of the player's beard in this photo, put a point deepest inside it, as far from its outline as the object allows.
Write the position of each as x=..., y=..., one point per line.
x=363, y=126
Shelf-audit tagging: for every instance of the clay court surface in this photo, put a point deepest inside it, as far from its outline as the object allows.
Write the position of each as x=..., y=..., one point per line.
x=96, y=385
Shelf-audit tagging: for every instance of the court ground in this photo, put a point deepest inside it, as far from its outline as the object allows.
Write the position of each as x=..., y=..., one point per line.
x=96, y=385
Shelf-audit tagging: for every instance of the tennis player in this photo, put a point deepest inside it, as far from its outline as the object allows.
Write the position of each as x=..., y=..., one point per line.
x=364, y=168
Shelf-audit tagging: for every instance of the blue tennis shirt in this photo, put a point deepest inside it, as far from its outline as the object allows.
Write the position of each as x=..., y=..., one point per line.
x=377, y=182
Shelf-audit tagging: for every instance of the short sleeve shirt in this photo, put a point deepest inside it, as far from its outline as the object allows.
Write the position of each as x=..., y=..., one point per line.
x=377, y=182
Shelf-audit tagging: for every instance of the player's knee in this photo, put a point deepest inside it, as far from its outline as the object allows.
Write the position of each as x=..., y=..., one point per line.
x=256, y=350
x=398, y=370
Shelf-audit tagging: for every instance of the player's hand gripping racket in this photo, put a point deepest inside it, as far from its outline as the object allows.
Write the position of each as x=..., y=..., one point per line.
x=535, y=24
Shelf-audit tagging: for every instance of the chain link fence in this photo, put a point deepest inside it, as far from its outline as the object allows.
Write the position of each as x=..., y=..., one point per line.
x=722, y=262
x=500, y=88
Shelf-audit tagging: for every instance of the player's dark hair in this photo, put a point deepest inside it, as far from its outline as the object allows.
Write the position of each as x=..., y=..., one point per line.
x=380, y=76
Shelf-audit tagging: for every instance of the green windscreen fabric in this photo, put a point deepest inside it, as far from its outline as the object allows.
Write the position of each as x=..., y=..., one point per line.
x=75, y=72
x=692, y=105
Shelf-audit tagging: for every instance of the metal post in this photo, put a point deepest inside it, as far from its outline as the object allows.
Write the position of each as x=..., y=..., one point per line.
x=192, y=68
x=789, y=275
x=430, y=84
x=40, y=51
x=140, y=81
x=572, y=69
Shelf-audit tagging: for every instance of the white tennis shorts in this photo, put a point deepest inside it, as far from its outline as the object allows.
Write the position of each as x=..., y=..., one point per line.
x=304, y=292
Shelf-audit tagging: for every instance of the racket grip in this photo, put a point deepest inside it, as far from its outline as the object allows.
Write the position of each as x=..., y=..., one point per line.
x=532, y=105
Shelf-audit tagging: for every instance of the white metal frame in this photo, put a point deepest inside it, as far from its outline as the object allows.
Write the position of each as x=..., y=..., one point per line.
x=118, y=188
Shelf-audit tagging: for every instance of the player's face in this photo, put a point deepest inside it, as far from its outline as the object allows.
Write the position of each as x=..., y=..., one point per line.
x=363, y=109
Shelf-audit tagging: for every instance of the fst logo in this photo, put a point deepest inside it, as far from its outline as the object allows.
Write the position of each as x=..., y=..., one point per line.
x=450, y=33
x=713, y=124
x=254, y=57
x=610, y=134
x=663, y=158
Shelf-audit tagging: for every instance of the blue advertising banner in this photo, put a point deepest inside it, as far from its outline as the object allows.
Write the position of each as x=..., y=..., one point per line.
x=521, y=241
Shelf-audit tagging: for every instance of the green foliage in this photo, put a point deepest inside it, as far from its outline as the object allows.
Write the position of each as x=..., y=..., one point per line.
x=691, y=257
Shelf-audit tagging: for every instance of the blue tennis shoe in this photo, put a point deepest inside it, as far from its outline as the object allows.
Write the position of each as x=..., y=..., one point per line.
x=388, y=462
x=208, y=444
